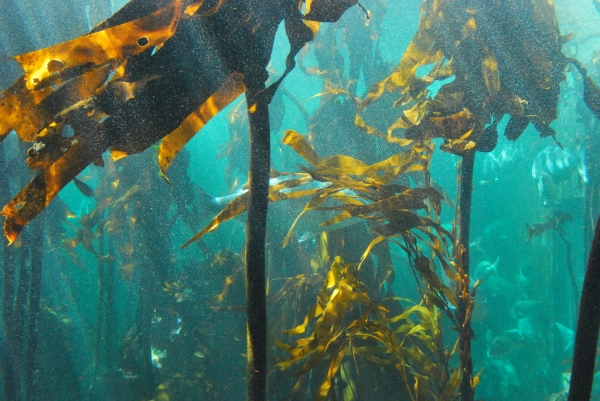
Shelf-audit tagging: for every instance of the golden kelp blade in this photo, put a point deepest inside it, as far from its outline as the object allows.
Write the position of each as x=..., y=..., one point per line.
x=233, y=209
x=45, y=67
x=176, y=140
x=420, y=51
x=116, y=43
x=301, y=146
x=240, y=204
x=192, y=8
x=23, y=111
x=489, y=68
x=17, y=110
x=44, y=187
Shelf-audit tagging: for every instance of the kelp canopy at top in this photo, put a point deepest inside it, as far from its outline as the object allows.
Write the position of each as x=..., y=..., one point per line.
x=156, y=69
x=500, y=58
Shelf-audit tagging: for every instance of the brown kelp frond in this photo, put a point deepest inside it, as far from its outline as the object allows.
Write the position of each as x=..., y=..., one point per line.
x=347, y=323
x=351, y=188
x=176, y=140
x=134, y=80
x=494, y=72
x=63, y=86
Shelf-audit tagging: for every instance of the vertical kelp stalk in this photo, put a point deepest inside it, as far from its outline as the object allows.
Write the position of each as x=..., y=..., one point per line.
x=256, y=228
x=111, y=342
x=35, y=296
x=571, y=272
x=588, y=325
x=11, y=382
x=464, y=298
x=98, y=382
x=20, y=313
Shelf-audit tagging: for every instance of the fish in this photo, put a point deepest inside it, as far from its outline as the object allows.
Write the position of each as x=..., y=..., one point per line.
x=214, y=204
x=282, y=214
x=564, y=338
x=526, y=308
x=84, y=188
x=497, y=162
x=505, y=370
x=157, y=356
x=228, y=308
x=485, y=269
x=551, y=223
x=547, y=190
x=525, y=279
x=506, y=344
x=536, y=230
x=554, y=165
x=501, y=239
x=512, y=342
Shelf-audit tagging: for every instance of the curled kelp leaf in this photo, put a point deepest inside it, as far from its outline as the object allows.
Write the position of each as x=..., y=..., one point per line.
x=239, y=204
x=121, y=87
x=99, y=48
x=591, y=91
x=176, y=140
x=330, y=333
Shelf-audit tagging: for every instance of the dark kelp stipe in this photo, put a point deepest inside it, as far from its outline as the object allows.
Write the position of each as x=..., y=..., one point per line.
x=153, y=69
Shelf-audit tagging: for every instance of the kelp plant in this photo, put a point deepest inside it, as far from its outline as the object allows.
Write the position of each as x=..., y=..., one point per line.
x=483, y=60
x=157, y=69
x=411, y=340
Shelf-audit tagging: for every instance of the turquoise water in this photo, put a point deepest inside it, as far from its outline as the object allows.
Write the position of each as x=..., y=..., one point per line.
x=100, y=301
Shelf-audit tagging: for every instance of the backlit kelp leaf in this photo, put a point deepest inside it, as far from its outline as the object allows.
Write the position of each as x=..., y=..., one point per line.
x=239, y=205
x=18, y=111
x=301, y=146
x=374, y=242
x=489, y=66
x=115, y=43
x=43, y=188
x=333, y=332
x=448, y=127
x=453, y=384
x=176, y=140
x=476, y=43
x=420, y=51
x=389, y=207
x=194, y=7
x=144, y=99
x=400, y=222
x=27, y=112
x=332, y=168
x=234, y=208
x=88, y=55
x=334, y=364
x=423, y=390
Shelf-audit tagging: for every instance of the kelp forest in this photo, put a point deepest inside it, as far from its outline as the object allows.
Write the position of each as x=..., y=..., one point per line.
x=332, y=200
